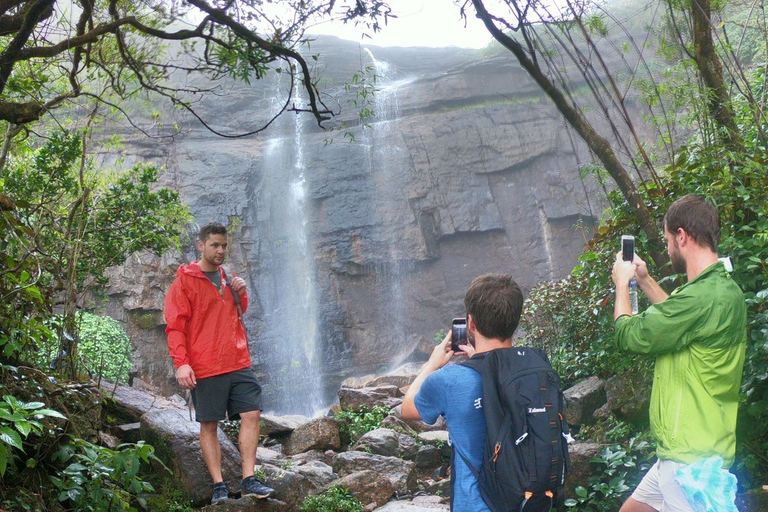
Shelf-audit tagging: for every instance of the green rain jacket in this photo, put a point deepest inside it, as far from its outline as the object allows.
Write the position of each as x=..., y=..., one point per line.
x=698, y=335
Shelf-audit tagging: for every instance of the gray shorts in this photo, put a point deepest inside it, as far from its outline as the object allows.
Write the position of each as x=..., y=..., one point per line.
x=226, y=395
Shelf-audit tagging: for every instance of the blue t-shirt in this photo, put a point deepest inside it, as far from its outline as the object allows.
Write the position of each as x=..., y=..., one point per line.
x=455, y=392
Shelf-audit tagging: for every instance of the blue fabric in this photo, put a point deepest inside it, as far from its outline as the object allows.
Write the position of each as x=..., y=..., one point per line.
x=707, y=486
x=455, y=392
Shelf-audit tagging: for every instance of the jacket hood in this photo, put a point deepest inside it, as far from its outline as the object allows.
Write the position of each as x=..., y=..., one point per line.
x=193, y=269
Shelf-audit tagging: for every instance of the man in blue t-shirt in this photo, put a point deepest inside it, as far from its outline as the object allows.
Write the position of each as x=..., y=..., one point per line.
x=493, y=303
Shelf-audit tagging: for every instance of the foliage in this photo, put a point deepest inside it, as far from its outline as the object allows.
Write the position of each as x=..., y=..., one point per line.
x=70, y=222
x=335, y=499
x=17, y=421
x=622, y=468
x=99, y=479
x=104, y=348
x=170, y=498
x=121, y=53
x=352, y=425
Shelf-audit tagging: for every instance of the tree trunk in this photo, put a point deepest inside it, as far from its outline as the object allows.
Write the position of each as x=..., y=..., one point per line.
x=711, y=71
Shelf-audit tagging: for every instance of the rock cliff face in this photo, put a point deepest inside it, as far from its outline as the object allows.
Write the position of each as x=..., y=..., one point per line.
x=356, y=254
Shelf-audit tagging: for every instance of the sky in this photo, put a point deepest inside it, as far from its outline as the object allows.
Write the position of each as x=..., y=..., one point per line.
x=419, y=23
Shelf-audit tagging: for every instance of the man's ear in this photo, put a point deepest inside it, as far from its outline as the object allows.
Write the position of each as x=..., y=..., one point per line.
x=471, y=324
x=683, y=237
x=200, y=245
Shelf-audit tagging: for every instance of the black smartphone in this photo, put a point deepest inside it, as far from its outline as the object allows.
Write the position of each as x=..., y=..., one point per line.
x=458, y=333
x=627, y=247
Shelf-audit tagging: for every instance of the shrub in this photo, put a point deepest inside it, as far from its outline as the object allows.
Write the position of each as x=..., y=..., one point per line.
x=352, y=425
x=335, y=499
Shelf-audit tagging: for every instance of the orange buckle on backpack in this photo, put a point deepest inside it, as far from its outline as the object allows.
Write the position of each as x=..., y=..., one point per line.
x=528, y=495
x=550, y=494
x=496, y=451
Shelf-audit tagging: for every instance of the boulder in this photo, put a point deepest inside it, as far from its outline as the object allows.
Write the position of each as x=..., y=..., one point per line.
x=293, y=482
x=629, y=396
x=356, y=382
x=418, y=425
x=418, y=504
x=428, y=457
x=277, y=425
x=367, y=398
x=131, y=403
x=400, y=377
x=440, y=487
x=401, y=473
x=317, y=434
x=398, y=425
x=249, y=504
x=581, y=469
x=384, y=441
x=583, y=399
x=437, y=438
x=370, y=487
x=177, y=443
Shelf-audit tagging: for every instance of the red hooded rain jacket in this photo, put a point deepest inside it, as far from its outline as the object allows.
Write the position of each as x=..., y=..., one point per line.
x=203, y=327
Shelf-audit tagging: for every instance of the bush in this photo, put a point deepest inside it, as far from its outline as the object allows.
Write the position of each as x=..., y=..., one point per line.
x=98, y=479
x=335, y=499
x=104, y=348
x=352, y=425
x=622, y=468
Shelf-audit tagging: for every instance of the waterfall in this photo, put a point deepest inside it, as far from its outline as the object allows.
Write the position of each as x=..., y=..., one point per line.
x=287, y=352
x=393, y=209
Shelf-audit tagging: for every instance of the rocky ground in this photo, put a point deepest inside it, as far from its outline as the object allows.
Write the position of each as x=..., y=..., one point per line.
x=402, y=466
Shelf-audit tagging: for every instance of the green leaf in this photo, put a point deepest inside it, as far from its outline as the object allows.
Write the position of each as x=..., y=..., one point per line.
x=11, y=437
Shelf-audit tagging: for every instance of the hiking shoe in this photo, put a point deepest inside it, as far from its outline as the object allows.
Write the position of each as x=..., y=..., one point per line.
x=252, y=486
x=220, y=492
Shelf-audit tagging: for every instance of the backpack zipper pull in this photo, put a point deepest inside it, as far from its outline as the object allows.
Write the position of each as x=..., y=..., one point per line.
x=519, y=439
x=496, y=451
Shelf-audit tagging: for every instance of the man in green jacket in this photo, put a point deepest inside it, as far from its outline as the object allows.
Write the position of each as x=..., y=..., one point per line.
x=698, y=335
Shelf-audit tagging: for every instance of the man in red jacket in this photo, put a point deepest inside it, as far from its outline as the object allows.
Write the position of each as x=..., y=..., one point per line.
x=209, y=348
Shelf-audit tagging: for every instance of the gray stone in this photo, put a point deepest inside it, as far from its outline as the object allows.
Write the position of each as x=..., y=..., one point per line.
x=294, y=482
x=384, y=441
x=629, y=396
x=132, y=403
x=583, y=399
x=177, y=443
x=249, y=504
x=418, y=504
x=370, y=487
x=275, y=425
x=581, y=468
x=401, y=473
x=435, y=437
x=418, y=425
x=428, y=457
x=318, y=434
x=365, y=399
x=401, y=377
x=438, y=487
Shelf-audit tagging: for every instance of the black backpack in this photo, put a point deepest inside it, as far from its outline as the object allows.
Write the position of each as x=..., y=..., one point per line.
x=525, y=459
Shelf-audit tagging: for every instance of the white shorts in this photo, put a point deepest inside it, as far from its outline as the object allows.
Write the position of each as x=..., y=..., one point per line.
x=660, y=490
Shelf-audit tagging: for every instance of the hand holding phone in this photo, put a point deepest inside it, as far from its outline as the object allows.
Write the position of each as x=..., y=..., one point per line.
x=458, y=333
x=627, y=247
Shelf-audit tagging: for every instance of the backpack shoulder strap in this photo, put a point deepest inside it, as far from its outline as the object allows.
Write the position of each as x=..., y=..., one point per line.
x=235, y=295
x=475, y=362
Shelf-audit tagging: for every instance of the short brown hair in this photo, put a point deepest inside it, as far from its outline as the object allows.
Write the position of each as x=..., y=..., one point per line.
x=495, y=302
x=212, y=228
x=698, y=217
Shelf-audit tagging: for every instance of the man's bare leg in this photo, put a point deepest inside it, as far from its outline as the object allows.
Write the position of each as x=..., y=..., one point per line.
x=632, y=505
x=249, y=440
x=209, y=445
